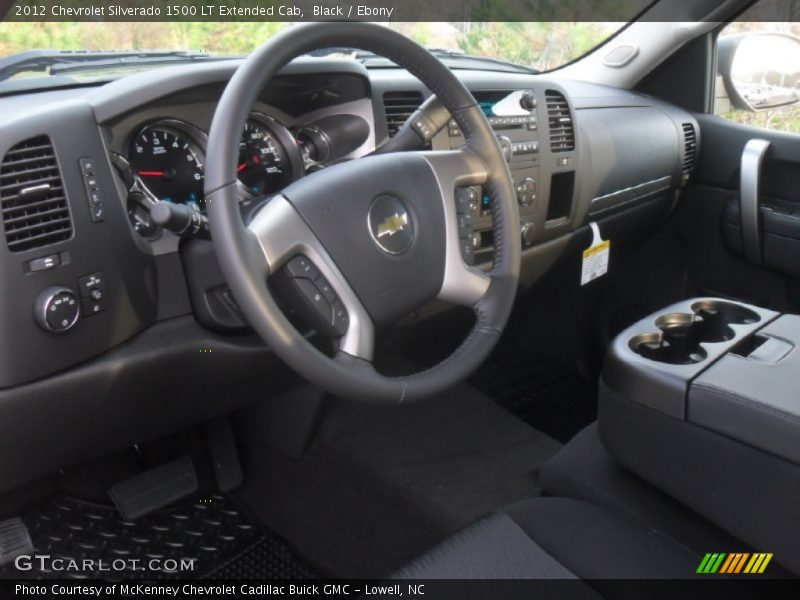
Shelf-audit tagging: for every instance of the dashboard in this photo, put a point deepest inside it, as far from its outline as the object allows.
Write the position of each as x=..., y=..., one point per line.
x=88, y=269
x=115, y=330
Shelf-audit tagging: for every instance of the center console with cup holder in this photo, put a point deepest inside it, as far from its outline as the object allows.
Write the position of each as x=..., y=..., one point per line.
x=702, y=399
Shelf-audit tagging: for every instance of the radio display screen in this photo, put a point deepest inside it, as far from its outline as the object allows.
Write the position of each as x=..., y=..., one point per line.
x=487, y=100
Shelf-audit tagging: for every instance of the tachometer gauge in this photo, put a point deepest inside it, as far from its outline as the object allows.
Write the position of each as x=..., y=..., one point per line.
x=169, y=163
x=269, y=158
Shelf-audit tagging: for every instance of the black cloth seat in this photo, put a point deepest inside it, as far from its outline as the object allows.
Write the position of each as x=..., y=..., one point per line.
x=556, y=538
x=585, y=470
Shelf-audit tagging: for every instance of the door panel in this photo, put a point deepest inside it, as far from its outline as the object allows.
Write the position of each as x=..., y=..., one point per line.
x=710, y=220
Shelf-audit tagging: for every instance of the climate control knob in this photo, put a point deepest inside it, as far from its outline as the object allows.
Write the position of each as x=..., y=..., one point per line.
x=56, y=309
x=507, y=147
x=528, y=233
x=526, y=191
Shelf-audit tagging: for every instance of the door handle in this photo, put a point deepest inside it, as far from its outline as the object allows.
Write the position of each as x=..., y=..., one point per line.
x=749, y=194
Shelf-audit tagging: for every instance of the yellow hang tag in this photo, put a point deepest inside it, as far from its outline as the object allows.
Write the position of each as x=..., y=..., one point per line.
x=595, y=257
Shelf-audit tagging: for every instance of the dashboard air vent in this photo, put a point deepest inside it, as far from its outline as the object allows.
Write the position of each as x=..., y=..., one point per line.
x=32, y=202
x=689, y=148
x=559, y=119
x=399, y=106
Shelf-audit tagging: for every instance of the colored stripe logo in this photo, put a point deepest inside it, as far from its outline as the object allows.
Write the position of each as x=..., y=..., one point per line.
x=734, y=563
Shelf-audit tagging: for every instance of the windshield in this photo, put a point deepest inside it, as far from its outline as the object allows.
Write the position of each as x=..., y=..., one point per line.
x=534, y=46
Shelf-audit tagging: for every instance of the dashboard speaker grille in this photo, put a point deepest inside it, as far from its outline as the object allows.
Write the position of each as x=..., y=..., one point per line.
x=32, y=201
x=399, y=106
x=559, y=119
x=689, y=148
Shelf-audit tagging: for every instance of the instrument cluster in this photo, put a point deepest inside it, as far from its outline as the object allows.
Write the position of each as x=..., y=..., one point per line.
x=166, y=158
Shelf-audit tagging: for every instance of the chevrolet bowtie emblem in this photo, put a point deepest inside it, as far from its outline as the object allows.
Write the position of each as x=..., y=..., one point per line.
x=392, y=225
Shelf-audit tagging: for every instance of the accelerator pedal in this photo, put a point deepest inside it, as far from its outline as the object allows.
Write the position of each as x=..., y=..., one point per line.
x=154, y=489
x=224, y=454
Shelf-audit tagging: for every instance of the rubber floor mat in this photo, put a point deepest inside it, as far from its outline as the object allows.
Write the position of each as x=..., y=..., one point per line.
x=213, y=535
x=542, y=391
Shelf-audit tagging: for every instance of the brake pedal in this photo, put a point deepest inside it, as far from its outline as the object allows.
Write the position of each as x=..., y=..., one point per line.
x=14, y=540
x=154, y=489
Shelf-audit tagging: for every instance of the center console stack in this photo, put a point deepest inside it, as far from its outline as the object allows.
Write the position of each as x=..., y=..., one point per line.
x=702, y=399
x=536, y=132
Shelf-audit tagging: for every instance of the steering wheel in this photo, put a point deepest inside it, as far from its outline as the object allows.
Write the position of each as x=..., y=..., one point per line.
x=380, y=231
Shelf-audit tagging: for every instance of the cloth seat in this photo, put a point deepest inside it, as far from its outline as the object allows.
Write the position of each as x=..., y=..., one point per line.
x=556, y=538
x=584, y=550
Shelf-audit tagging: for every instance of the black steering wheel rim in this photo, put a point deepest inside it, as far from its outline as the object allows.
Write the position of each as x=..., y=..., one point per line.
x=246, y=263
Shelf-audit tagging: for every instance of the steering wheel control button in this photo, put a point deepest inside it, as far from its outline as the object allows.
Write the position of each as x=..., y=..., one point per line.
x=390, y=225
x=423, y=126
x=339, y=318
x=453, y=129
x=467, y=250
x=467, y=200
x=301, y=266
x=465, y=224
x=312, y=296
x=326, y=289
x=56, y=309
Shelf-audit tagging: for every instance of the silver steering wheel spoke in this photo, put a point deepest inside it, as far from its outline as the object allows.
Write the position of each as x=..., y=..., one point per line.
x=281, y=234
x=462, y=284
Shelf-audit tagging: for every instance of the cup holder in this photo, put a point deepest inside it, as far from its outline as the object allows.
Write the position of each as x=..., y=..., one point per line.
x=681, y=335
x=676, y=344
x=716, y=317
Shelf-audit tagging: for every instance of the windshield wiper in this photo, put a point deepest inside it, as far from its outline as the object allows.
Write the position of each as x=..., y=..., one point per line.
x=62, y=61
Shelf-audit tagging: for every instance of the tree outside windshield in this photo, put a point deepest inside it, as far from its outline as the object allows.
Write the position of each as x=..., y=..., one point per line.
x=541, y=46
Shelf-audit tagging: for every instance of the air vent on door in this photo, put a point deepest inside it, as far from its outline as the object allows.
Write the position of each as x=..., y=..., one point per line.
x=559, y=119
x=32, y=202
x=689, y=148
x=399, y=106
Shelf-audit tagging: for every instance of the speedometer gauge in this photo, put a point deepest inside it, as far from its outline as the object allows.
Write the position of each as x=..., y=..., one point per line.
x=169, y=164
x=269, y=158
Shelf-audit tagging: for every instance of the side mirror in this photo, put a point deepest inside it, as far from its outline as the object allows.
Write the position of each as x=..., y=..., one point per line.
x=761, y=71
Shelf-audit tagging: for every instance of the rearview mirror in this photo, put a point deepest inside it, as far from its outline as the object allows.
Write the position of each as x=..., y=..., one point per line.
x=761, y=71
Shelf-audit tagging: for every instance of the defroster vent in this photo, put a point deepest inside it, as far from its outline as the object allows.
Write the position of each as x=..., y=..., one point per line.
x=32, y=201
x=559, y=119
